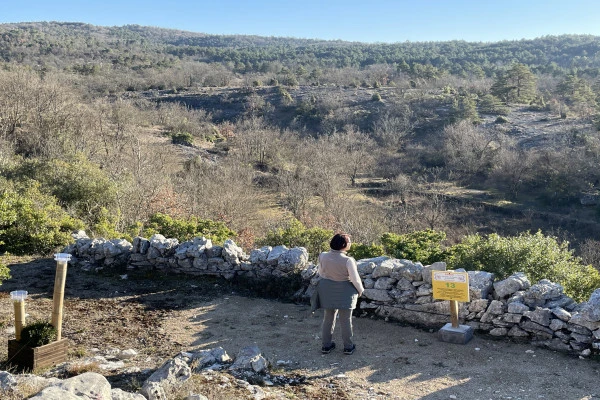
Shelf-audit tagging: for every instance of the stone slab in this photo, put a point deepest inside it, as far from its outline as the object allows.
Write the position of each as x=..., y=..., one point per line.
x=460, y=335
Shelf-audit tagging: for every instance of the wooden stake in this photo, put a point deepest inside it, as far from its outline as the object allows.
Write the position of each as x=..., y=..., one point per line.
x=59, y=294
x=19, y=317
x=454, y=313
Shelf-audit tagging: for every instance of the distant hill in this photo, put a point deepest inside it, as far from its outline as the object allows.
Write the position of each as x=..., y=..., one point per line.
x=65, y=44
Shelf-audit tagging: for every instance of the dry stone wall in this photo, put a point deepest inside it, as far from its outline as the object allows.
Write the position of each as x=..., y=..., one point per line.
x=396, y=289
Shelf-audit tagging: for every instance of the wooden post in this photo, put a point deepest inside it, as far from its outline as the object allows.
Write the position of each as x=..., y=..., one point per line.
x=18, y=297
x=19, y=317
x=454, y=313
x=59, y=292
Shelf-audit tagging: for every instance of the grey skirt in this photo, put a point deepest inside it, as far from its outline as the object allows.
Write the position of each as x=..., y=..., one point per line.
x=334, y=294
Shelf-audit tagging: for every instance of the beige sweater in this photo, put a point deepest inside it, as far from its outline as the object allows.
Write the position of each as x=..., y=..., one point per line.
x=337, y=266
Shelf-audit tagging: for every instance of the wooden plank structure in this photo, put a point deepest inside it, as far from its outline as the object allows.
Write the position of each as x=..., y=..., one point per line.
x=31, y=358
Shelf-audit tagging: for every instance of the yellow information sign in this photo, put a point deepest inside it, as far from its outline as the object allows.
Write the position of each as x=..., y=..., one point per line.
x=450, y=285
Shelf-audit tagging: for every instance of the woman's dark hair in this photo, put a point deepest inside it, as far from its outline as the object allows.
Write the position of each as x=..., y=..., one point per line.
x=339, y=241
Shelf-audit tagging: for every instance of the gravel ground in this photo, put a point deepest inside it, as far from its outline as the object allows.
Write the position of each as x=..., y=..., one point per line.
x=159, y=316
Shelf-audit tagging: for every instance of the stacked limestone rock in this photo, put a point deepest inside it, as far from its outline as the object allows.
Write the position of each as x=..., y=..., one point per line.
x=98, y=253
x=397, y=289
x=195, y=257
x=541, y=313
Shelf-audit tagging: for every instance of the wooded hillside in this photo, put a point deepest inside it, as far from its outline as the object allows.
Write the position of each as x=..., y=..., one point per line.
x=133, y=130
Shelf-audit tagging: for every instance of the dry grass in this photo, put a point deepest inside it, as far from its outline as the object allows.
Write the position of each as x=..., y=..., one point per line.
x=79, y=368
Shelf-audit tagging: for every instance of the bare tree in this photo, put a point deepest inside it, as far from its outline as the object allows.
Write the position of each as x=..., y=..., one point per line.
x=256, y=142
x=219, y=191
x=391, y=128
x=468, y=149
x=357, y=150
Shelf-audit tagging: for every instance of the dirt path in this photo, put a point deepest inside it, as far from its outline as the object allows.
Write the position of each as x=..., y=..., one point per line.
x=166, y=315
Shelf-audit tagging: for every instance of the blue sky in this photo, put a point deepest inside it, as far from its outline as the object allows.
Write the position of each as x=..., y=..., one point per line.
x=352, y=20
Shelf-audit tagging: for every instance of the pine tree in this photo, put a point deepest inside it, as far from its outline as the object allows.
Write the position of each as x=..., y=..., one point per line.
x=517, y=84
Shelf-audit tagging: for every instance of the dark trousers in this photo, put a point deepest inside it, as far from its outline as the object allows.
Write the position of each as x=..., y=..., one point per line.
x=329, y=326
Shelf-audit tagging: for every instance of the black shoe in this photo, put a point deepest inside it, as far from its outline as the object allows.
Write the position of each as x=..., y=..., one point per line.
x=350, y=350
x=327, y=349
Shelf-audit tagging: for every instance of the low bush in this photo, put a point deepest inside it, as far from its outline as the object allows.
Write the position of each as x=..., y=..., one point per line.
x=38, y=333
x=536, y=255
x=295, y=234
x=361, y=251
x=183, y=138
x=4, y=271
x=32, y=222
x=423, y=246
x=187, y=229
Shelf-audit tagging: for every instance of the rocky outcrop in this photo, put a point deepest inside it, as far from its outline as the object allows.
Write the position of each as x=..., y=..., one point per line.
x=248, y=366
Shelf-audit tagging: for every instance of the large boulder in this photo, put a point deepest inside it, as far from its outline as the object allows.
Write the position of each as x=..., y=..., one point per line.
x=169, y=374
x=210, y=357
x=427, y=270
x=480, y=284
x=384, y=268
x=118, y=394
x=511, y=285
x=407, y=269
x=293, y=260
x=232, y=253
x=259, y=256
x=591, y=309
x=432, y=315
x=275, y=253
x=7, y=381
x=366, y=266
x=250, y=359
x=377, y=295
x=89, y=385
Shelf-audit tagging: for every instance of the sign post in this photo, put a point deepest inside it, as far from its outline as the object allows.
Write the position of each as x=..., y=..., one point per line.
x=452, y=286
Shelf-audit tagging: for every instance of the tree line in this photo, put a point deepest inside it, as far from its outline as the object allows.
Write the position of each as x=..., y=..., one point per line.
x=369, y=139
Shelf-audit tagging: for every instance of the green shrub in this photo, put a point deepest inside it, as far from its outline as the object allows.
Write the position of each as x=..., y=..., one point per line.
x=183, y=138
x=376, y=97
x=187, y=229
x=286, y=97
x=38, y=333
x=501, y=120
x=361, y=251
x=536, y=255
x=32, y=222
x=77, y=183
x=105, y=226
x=423, y=246
x=289, y=80
x=295, y=234
x=4, y=271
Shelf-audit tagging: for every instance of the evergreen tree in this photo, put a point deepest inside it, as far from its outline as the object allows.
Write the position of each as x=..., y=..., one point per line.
x=463, y=108
x=576, y=91
x=515, y=85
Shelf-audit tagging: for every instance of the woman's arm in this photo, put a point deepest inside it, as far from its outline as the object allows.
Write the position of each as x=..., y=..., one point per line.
x=319, y=265
x=354, y=277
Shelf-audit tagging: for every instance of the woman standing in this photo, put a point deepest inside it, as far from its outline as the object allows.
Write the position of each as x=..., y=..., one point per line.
x=338, y=291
